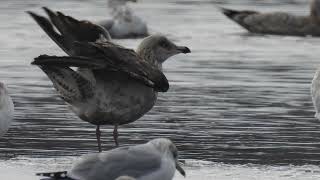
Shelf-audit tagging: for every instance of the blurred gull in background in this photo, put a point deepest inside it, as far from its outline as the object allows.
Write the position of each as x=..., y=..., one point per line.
x=155, y=160
x=278, y=23
x=113, y=85
x=124, y=23
x=315, y=93
x=6, y=110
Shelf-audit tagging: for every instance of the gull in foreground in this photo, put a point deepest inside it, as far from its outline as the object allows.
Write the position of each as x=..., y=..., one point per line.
x=155, y=160
x=6, y=110
x=124, y=22
x=278, y=23
x=113, y=85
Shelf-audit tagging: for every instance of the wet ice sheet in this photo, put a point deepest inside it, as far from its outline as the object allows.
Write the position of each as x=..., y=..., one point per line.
x=237, y=98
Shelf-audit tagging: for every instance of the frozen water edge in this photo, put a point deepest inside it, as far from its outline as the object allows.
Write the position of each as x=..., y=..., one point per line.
x=25, y=168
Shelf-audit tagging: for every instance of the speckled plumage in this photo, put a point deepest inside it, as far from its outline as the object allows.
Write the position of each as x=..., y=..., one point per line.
x=113, y=85
x=117, y=100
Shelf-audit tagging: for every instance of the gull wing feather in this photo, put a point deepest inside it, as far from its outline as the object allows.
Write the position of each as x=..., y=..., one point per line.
x=46, y=25
x=69, y=61
x=69, y=29
x=127, y=61
x=72, y=86
x=77, y=38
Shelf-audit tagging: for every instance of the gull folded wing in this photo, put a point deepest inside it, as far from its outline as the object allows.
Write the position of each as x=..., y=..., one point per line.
x=125, y=60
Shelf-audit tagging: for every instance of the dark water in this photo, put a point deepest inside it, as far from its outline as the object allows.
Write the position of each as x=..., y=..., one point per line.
x=238, y=98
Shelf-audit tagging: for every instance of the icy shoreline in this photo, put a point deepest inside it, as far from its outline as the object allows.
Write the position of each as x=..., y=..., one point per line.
x=25, y=168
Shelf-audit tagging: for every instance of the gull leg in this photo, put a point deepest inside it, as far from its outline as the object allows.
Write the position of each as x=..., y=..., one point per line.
x=115, y=134
x=98, y=134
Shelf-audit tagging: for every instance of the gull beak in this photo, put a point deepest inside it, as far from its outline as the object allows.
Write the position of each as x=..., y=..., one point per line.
x=179, y=168
x=183, y=49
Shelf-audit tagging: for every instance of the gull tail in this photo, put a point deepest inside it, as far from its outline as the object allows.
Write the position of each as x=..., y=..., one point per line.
x=55, y=175
x=230, y=13
x=68, y=61
x=237, y=15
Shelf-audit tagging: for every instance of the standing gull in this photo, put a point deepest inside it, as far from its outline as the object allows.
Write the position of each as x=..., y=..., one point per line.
x=124, y=22
x=155, y=160
x=113, y=85
x=6, y=110
x=278, y=23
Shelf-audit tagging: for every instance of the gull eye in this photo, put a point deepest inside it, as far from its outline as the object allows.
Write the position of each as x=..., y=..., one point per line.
x=164, y=44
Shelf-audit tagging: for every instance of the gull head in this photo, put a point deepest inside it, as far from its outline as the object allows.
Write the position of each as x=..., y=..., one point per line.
x=123, y=14
x=157, y=49
x=166, y=147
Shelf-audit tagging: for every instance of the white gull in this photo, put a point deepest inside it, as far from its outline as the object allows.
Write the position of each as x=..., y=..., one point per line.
x=124, y=23
x=155, y=160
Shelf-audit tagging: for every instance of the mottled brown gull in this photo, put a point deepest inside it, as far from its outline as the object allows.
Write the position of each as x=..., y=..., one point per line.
x=113, y=85
x=278, y=23
x=155, y=160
